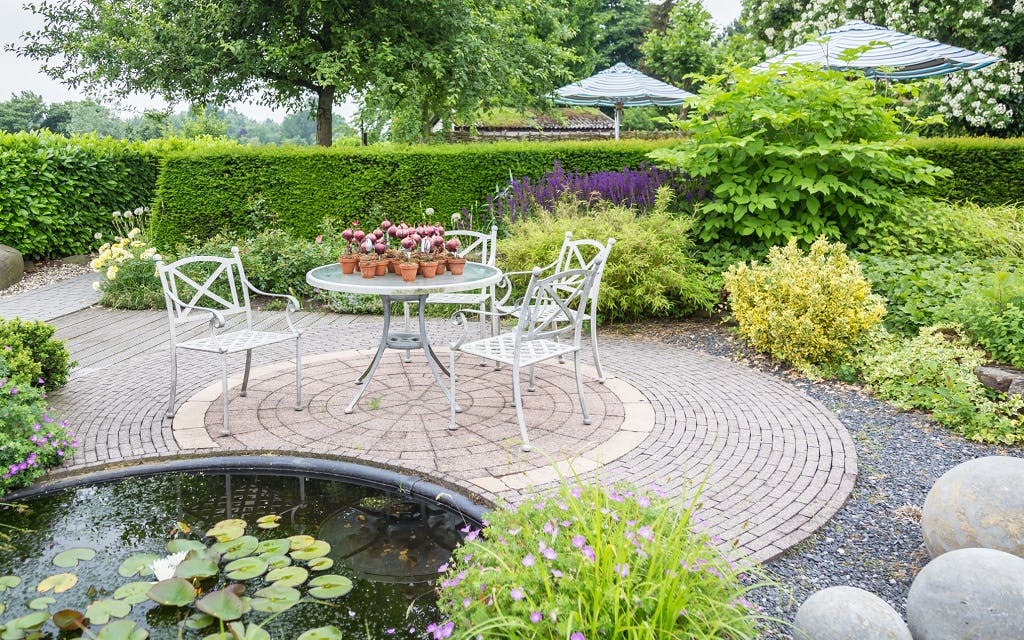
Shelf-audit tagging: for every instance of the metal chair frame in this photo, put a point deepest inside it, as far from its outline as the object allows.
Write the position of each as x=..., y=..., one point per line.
x=537, y=336
x=220, y=308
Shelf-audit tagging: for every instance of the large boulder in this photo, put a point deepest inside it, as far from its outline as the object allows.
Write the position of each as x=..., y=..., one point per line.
x=968, y=594
x=12, y=265
x=848, y=613
x=979, y=503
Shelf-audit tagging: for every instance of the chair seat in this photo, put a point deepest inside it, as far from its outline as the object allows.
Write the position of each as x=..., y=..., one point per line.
x=502, y=348
x=458, y=298
x=235, y=341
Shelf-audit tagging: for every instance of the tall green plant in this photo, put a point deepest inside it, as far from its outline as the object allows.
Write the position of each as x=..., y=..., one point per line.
x=796, y=153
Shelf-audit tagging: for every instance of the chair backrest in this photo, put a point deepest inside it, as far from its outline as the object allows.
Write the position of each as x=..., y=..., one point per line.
x=478, y=246
x=585, y=254
x=212, y=282
x=550, y=300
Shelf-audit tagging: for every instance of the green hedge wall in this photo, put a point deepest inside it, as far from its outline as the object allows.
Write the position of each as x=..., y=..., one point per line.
x=56, y=192
x=200, y=194
x=203, y=191
x=987, y=171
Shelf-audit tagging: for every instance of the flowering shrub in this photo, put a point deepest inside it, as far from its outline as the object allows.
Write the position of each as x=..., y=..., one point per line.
x=636, y=188
x=589, y=563
x=128, y=277
x=806, y=309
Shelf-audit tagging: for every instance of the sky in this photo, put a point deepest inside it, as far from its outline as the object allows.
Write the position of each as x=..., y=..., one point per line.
x=22, y=74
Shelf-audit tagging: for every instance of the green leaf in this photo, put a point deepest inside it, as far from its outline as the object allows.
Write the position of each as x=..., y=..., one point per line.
x=288, y=576
x=248, y=632
x=237, y=548
x=133, y=592
x=221, y=604
x=317, y=549
x=227, y=530
x=174, y=592
x=101, y=611
x=329, y=586
x=198, y=564
x=178, y=545
x=245, y=568
x=198, y=621
x=71, y=557
x=274, y=599
x=322, y=633
x=275, y=562
x=274, y=546
x=268, y=522
x=32, y=620
x=60, y=583
x=320, y=564
x=137, y=564
x=300, y=541
x=42, y=603
x=122, y=630
x=9, y=582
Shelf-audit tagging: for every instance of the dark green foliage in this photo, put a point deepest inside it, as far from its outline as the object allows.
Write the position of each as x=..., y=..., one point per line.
x=57, y=192
x=987, y=171
x=202, y=194
x=935, y=227
x=31, y=353
x=993, y=316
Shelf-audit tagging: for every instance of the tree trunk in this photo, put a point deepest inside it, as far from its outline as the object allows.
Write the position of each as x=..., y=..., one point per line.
x=325, y=116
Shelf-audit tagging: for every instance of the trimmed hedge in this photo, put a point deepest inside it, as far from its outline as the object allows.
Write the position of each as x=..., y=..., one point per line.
x=200, y=194
x=56, y=192
x=987, y=171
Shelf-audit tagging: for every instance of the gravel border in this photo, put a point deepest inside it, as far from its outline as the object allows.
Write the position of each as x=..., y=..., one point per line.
x=874, y=542
x=42, y=274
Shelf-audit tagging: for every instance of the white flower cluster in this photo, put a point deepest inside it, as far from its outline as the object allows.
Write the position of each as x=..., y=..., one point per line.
x=983, y=99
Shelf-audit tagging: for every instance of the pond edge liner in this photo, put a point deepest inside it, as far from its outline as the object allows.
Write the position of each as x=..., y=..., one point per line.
x=318, y=468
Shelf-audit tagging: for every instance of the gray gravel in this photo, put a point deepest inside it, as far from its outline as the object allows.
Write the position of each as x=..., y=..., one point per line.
x=44, y=273
x=874, y=542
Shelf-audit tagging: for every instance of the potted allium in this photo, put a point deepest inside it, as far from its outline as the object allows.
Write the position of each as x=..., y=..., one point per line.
x=428, y=261
x=349, y=259
x=367, y=258
x=456, y=263
x=407, y=266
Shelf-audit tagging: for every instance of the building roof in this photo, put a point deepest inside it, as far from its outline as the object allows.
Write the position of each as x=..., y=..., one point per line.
x=556, y=119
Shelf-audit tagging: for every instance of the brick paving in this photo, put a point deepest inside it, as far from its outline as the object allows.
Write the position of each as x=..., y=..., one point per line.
x=774, y=464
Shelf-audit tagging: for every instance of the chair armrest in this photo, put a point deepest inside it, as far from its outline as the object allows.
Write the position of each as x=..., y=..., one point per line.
x=458, y=318
x=217, y=320
x=293, y=302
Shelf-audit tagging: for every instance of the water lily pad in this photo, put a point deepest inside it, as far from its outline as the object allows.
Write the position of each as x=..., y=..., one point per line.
x=237, y=548
x=71, y=557
x=122, y=630
x=318, y=549
x=275, y=546
x=133, y=592
x=60, y=583
x=226, y=635
x=322, y=633
x=250, y=632
x=42, y=603
x=174, y=592
x=245, y=568
x=137, y=564
x=288, y=576
x=320, y=564
x=221, y=604
x=101, y=611
x=329, y=586
x=275, y=562
x=275, y=598
x=268, y=522
x=300, y=541
x=184, y=544
x=9, y=582
x=69, y=620
x=198, y=564
x=198, y=621
x=227, y=529
x=11, y=632
x=32, y=620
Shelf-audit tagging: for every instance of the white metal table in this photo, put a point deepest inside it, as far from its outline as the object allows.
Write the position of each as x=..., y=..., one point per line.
x=391, y=288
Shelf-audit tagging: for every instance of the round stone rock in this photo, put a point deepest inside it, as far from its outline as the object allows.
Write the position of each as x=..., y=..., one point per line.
x=848, y=613
x=968, y=594
x=979, y=503
x=12, y=265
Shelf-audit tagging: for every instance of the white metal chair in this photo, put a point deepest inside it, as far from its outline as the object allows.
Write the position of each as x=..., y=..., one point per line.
x=538, y=333
x=217, y=288
x=480, y=247
x=574, y=254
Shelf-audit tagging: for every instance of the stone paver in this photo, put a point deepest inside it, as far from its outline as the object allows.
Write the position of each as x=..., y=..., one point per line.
x=52, y=301
x=773, y=464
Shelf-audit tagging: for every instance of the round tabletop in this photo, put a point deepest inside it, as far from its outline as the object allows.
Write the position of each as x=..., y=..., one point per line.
x=475, y=276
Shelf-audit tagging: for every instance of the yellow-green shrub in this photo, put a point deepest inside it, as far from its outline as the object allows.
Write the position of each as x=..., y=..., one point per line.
x=806, y=309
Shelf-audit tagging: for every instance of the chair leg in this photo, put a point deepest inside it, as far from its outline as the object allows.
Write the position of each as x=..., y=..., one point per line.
x=533, y=379
x=517, y=397
x=579, y=388
x=593, y=347
x=226, y=430
x=245, y=376
x=451, y=396
x=483, y=329
x=174, y=382
x=298, y=373
x=405, y=309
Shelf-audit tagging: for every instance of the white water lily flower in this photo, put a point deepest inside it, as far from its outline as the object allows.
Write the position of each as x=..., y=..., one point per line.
x=163, y=568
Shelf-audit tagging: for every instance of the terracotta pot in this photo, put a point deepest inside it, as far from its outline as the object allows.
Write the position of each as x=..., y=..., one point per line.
x=408, y=270
x=382, y=267
x=348, y=264
x=428, y=269
x=368, y=268
x=392, y=265
x=456, y=266
x=440, y=266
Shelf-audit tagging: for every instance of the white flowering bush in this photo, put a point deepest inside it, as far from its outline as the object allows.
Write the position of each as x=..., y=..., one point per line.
x=128, y=277
x=989, y=100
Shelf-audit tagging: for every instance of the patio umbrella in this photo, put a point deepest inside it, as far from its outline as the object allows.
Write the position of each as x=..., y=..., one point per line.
x=893, y=55
x=620, y=86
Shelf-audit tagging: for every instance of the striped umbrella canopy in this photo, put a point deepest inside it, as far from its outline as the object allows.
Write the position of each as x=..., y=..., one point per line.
x=620, y=86
x=892, y=55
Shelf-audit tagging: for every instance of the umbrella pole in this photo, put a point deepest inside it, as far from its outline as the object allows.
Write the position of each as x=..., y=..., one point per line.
x=618, y=110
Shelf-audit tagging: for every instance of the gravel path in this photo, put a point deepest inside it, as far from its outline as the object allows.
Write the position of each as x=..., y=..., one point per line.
x=874, y=542
x=44, y=273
